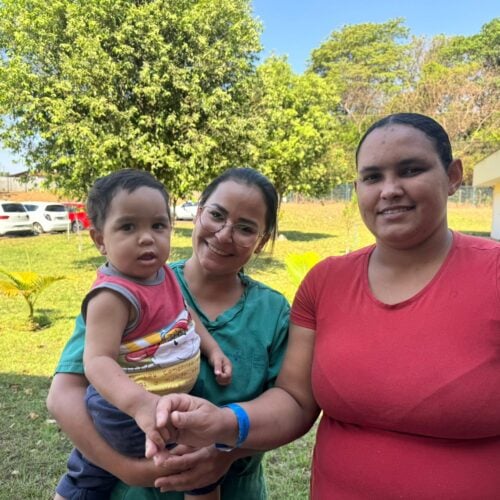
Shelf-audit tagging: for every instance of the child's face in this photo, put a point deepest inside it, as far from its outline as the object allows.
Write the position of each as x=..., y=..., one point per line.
x=136, y=235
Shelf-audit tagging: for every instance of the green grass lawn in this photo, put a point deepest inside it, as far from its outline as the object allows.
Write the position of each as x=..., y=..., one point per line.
x=32, y=450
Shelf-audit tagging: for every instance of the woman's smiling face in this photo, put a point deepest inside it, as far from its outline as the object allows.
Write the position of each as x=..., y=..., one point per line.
x=240, y=203
x=402, y=185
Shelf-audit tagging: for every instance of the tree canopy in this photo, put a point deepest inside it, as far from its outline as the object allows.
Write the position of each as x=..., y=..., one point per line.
x=161, y=85
x=174, y=87
x=293, y=126
x=377, y=70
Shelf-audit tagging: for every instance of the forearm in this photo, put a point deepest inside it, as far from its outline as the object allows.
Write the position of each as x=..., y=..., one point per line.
x=276, y=418
x=115, y=386
x=288, y=410
x=207, y=342
x=66, y=403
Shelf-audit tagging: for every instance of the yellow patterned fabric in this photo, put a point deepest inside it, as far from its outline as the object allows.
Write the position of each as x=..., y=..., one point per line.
x=155, y=338
x=180, y=377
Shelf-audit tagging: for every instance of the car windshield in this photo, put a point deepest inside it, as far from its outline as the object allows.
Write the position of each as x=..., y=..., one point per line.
x=13, y=207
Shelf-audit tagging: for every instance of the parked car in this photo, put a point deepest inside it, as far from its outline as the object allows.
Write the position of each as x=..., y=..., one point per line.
x=186, y=211
x=77, y=215
x=47, y=217
x=14, y=219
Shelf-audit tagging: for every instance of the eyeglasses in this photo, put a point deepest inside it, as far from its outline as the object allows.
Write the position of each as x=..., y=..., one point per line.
x=213, y=221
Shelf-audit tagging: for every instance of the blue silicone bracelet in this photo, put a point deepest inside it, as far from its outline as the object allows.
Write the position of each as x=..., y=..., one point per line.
x=243, y=426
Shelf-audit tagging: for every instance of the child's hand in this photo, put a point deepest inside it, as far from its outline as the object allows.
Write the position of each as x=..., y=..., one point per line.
x=223, y=370
x=145, y=417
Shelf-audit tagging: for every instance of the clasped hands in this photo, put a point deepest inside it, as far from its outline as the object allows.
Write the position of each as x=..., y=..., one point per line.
x=183, y=419
x=194, y=425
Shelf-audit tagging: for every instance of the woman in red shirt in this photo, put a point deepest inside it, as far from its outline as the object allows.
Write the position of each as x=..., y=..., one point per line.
x=398, y=344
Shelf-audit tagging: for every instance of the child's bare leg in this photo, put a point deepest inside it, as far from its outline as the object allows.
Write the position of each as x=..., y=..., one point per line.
x=212, y=495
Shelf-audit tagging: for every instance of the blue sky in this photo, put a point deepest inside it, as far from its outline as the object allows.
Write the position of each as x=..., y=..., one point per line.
x=296, y=27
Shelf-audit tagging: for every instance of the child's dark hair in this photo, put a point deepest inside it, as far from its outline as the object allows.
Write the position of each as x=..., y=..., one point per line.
x=431, y=128
x=250, y=177
x=105, y=188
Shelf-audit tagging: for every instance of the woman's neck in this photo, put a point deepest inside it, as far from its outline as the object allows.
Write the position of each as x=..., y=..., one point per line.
x=433, y=249
x=214, y=293
x=397, y=274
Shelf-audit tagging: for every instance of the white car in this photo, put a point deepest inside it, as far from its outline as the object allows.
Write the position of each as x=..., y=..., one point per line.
x=14, y=218
x=46, y=216
x=186, y=211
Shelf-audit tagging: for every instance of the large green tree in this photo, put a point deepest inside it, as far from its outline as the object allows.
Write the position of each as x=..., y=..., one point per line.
x=162, y=85
x=293, y=128
x=364, y=66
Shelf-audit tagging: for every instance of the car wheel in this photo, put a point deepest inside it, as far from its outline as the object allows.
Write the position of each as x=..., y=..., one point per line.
x=76, y=226
x=37, y=228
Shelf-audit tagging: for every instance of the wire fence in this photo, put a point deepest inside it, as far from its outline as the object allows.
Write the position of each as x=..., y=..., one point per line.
x=464, y=195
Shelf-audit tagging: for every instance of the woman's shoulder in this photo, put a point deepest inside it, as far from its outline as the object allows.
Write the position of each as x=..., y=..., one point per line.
x=338, y=262
x=261, y=290
x=469, y=242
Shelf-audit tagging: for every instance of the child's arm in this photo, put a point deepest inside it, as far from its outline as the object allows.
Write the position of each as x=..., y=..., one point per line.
x=210, y=349
x=107, y=317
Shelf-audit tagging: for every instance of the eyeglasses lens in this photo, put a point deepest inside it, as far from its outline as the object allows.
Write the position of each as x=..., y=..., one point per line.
x=242, y=235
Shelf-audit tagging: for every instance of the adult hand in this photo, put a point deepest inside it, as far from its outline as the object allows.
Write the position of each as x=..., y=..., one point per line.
x=138, y=472
x=196, y=469
x=192, y=421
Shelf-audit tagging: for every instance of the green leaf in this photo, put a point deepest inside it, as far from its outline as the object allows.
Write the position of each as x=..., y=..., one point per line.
x=298, y=265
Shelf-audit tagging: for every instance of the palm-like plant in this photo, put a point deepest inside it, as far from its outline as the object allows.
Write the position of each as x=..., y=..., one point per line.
x=28, y=284
x=298, y=265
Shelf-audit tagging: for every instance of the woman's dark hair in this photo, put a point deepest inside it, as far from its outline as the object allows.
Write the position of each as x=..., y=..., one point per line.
x=105, y=188
x=250, y=177
x=431, y=128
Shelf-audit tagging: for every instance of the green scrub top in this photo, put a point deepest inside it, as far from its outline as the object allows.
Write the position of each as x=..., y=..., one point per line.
x=253, y=335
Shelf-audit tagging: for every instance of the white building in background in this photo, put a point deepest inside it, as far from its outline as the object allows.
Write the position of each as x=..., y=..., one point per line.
x=487, y=173
x=19, y=182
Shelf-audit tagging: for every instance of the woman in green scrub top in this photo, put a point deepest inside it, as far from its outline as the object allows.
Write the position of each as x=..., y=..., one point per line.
x=249, y=321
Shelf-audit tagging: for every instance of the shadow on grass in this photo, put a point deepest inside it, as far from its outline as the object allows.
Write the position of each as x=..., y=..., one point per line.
x=302, y=236
x=42, y=319
x=264, y=263
x=90, y=262
x=183, y=232
x=54, y=315
x=19, y=235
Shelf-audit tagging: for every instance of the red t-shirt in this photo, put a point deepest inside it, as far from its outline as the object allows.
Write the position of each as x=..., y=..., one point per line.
x=410, y=392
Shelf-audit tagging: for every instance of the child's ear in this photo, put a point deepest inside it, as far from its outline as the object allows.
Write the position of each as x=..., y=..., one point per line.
x=98, y=240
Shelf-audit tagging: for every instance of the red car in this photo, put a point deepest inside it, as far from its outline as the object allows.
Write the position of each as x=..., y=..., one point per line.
x=77, y=215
